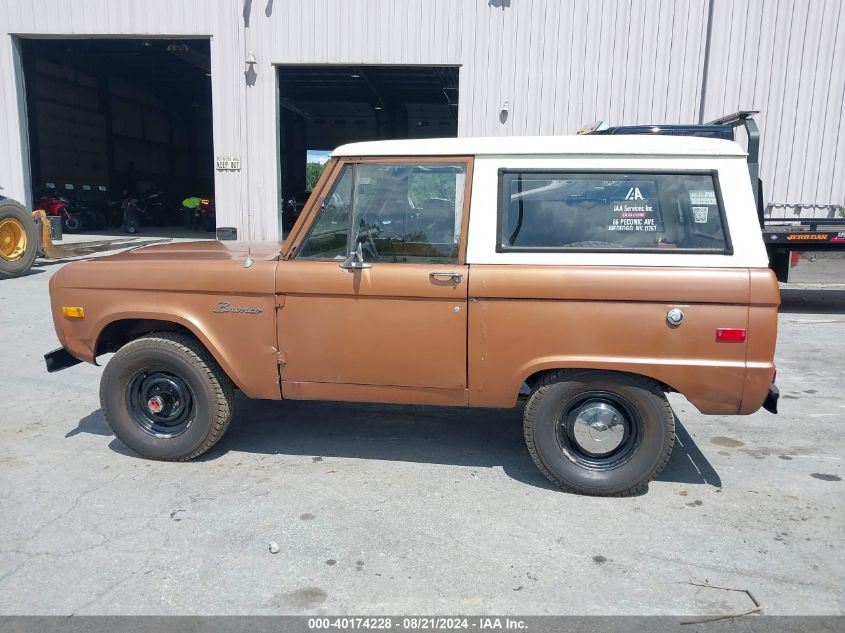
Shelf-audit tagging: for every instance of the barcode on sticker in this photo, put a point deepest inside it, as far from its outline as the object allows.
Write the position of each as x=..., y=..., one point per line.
x=699, y=215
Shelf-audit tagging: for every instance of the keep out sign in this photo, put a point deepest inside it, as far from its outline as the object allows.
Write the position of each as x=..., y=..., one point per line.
x=634, y=207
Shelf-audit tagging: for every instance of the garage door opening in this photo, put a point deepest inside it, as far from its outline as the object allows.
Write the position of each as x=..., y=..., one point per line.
x=322, y=107
x=120, y=134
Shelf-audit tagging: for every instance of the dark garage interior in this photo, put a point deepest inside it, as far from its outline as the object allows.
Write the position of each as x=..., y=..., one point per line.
x=322, y=107
x=117, y=119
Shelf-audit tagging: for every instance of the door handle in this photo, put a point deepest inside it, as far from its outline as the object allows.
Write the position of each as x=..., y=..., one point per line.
x=456, y=277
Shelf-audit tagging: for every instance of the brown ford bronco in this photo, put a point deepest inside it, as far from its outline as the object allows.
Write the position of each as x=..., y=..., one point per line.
x=595, y=273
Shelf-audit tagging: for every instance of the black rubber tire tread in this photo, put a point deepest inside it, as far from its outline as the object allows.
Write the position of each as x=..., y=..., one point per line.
x=556, y=377
x=194, y=353
x=12, y=209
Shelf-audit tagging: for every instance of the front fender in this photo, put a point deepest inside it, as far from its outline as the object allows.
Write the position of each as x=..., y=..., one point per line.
x=243, y=343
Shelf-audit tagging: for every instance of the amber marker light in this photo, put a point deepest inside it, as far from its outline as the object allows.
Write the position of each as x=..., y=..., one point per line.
x=73, y=312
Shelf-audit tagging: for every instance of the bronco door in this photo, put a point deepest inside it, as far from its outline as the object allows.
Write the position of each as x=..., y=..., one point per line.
x=373, y=288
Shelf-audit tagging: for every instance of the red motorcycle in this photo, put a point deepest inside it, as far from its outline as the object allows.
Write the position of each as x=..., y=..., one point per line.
x=59, y=207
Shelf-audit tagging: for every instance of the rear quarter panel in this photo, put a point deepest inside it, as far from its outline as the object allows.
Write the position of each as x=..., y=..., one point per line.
x=525, y=319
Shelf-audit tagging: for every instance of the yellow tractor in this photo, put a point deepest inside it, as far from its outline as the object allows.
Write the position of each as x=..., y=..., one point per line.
x=19, y=239
x=25, y=236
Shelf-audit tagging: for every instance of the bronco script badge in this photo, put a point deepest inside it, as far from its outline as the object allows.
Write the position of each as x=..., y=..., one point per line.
x=225, y=306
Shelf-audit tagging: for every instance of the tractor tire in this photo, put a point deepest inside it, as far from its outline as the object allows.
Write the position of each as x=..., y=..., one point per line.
x=18, y=240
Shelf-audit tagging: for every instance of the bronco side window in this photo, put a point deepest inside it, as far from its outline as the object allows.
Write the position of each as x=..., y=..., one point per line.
x=408, y=212
x=399, y=212
x=328, y=237
x=613, y=211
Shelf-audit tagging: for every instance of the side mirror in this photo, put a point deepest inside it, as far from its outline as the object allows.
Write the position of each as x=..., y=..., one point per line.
x=355, y=261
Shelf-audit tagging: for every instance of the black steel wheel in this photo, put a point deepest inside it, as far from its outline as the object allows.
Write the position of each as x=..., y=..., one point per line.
x=165, y=397
x=160, y=402
x=598, y=432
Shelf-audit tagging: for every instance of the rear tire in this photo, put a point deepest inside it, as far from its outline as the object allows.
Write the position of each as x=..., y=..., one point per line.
x=597, y=432
x=18, y=240
x=165, y=397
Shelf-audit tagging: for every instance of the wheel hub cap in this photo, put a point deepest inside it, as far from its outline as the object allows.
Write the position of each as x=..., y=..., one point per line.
x=12, y=240
x=155, y=404
x=599, y=427
x=160, y=403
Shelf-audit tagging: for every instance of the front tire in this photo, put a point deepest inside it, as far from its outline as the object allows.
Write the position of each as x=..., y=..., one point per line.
x=597, y=432
x=165, y=397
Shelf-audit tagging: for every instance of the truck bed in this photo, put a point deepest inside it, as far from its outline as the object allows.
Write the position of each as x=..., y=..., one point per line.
x=804, y=234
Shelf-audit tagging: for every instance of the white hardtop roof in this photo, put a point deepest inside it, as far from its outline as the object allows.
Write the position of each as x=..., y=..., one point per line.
x=608, y=144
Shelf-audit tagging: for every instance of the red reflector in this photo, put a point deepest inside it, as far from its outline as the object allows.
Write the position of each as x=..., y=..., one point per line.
x=731, y=334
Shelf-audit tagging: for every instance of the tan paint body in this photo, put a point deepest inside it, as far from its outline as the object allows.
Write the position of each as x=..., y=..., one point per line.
x=182, y=283
x=393, y=333
x=526, y=319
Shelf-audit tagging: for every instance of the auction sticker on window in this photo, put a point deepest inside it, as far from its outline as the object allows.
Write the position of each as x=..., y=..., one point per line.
x=635, y=206
x=702, y=196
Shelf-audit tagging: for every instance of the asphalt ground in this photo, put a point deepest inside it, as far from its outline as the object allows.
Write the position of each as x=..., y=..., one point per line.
x=392, y=510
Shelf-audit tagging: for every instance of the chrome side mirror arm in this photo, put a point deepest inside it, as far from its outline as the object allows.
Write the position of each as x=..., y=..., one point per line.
x=355, y=261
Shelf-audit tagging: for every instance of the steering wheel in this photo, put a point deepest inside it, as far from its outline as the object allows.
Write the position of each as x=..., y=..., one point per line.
x=369, y=246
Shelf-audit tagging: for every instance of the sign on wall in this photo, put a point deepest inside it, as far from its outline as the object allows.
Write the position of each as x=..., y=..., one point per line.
x=227, y=163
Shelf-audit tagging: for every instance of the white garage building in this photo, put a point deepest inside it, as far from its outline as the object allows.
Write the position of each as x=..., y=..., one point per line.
x=288, y=76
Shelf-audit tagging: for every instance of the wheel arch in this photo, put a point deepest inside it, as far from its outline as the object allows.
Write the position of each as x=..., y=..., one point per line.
x=693, y=381
x=532, y=379
x=120, y=330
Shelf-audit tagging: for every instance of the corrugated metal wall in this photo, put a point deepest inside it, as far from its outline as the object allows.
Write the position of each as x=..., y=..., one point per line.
x=364, y=31
x=561, y=64
x=786, y=58
x=556, y=63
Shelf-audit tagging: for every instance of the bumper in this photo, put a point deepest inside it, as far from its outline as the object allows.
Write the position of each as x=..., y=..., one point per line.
x=771, y=402
x=60, y=359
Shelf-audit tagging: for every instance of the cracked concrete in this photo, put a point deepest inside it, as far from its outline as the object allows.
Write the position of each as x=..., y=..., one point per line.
x=382, y=509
